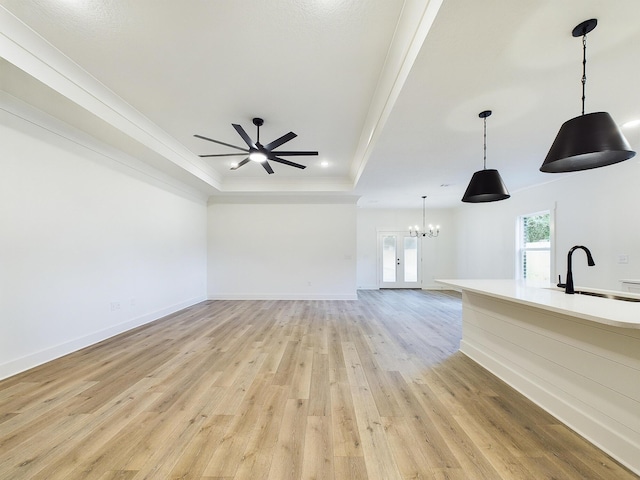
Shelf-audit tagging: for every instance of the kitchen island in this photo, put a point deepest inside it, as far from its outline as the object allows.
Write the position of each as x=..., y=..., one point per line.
x=576, y=356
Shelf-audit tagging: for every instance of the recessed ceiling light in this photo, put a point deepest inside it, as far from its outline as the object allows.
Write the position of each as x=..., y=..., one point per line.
x=631, y=124
x=324, y=164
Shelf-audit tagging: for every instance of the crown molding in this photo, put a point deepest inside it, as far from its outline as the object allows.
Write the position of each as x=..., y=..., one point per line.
x=28, y=51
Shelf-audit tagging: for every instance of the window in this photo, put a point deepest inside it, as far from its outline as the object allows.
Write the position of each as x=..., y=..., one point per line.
x=534, y=247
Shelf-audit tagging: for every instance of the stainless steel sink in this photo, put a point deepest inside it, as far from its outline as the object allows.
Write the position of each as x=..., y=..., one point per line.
x=608, y=295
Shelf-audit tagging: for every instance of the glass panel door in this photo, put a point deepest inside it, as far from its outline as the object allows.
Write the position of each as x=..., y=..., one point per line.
x=389, y=261
x=410, y=259
x=399, y=260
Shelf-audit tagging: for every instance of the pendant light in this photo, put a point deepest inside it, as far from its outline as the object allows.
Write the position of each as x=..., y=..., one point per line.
x=486, y=185
x=588, y=141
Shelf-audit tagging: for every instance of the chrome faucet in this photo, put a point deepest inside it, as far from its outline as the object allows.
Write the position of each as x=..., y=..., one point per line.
x=569, y=284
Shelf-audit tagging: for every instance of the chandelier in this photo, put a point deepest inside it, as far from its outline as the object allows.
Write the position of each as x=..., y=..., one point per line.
x=432, y=231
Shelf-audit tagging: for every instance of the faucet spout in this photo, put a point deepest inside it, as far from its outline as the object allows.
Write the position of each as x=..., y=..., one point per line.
x=569, y=282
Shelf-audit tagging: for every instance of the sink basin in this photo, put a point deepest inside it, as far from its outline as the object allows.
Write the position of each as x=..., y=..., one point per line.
x=603, y=294
x=608, y=295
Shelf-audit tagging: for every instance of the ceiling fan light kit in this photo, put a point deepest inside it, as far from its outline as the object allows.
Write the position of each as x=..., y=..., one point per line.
x=588, y=141
x=257, y=152
x=486, y=185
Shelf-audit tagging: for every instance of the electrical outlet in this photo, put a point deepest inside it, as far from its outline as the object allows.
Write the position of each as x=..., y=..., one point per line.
x=115, y=306
x=623, y=258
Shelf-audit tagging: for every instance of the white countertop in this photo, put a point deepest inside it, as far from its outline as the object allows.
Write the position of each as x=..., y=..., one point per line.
x=607, y=311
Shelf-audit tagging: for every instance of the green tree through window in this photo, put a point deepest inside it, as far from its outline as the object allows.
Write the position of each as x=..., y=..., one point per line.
x=536, y=228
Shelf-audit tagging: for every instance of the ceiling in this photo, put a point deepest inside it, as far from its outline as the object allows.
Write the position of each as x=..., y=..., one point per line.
x=388, y=91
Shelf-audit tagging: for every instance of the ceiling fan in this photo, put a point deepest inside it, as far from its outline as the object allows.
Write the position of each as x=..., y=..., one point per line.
x=258, y=152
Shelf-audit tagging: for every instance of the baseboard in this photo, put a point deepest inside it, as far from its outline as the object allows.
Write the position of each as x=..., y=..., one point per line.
x=626, y=450
x=32, y=360
x=288, y=296
x=425, y=287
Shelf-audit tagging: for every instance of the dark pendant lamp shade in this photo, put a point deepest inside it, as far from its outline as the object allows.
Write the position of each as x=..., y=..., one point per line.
x=588, y=141
x=486, y=185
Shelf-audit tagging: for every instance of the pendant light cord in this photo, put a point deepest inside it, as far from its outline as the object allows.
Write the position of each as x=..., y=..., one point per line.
x=485, y=143
x=584, y=68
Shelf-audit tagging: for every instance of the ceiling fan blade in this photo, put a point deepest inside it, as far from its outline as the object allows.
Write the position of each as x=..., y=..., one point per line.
x=294, y=153
x=283, y=139
x=286, y=162
x=267, y=167
x=222, y=155
x=243, y=162
x=244, y=135
x=221, y=143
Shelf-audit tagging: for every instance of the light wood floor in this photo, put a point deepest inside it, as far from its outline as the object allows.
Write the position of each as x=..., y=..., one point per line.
x=368, y=389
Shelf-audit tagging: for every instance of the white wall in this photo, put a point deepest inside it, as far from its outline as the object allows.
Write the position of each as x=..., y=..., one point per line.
x=282, y=250
x=88, y=247
x=438, y=254
x=596, y=208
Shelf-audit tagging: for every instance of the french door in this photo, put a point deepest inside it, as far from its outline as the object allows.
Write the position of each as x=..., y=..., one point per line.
x=398, y=260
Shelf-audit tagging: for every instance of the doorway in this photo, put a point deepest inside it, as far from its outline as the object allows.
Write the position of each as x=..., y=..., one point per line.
x=398, y=260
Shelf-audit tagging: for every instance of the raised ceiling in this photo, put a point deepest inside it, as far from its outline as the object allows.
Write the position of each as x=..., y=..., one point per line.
x=387, y=91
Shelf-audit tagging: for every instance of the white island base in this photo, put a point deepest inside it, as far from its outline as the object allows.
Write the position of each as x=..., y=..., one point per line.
x=577, y=357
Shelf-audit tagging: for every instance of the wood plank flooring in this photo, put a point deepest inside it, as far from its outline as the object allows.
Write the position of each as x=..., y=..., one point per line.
x=276, y=390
